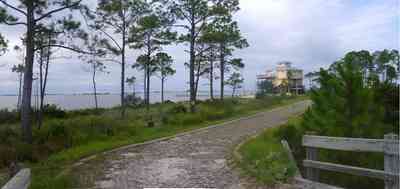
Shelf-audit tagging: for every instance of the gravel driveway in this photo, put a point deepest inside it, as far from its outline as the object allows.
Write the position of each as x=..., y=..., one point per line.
x=194, y=160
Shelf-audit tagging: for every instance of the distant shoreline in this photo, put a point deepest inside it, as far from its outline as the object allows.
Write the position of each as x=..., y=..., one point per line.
x=179, y=93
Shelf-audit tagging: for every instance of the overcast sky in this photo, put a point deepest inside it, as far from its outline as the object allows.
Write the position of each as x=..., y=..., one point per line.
x=309, y=33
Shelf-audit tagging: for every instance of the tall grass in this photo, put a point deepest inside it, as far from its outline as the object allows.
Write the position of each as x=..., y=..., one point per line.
x=265, y=159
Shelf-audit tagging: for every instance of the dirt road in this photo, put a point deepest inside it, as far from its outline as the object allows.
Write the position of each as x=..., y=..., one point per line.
x=194, y=160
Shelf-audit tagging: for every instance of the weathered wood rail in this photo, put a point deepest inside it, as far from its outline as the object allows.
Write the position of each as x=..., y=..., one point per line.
x=389, y=146
x=20, y=181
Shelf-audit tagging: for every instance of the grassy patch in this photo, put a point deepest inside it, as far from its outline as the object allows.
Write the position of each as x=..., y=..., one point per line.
x=3, y=177
x=264, y=159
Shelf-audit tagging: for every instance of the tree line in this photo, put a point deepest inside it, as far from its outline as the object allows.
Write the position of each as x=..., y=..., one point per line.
x=107, y=33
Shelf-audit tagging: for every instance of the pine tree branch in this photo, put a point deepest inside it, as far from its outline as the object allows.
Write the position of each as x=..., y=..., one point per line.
x=13, y=7
x=14, y=23
x=180, y=26
x=112, y=39
x=57, y=10
x=63, y=47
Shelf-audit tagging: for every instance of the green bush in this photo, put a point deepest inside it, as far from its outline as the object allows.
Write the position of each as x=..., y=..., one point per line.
x=177, y=109
x=134, y=101
x=265, y=159
x=9, y=116
x=189, y=119
x=53, y=111
x=86, y=112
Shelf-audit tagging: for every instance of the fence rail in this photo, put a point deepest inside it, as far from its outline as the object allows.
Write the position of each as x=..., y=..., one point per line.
x=389, y=146
x=20, y=181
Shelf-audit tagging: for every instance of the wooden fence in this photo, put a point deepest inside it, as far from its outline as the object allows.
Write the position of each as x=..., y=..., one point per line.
x=389, y=146
x=20, y=181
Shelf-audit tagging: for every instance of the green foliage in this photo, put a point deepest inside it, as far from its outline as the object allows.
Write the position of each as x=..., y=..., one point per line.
x=293, y=133
x=164, y=65
x=264, y=159
x=3, y=44
x=9, y=116
x=53, y=111
x=264, y=88
x=178, y=108
x=356, y=98
x=235, y=81
x=351, y=103
x=18, y=68
x=133, y=101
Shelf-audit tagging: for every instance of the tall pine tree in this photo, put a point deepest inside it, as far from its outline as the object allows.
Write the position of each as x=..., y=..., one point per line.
x=31, y=15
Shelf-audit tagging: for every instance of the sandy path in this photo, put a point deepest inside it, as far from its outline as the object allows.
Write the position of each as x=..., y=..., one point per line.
x=195, y=160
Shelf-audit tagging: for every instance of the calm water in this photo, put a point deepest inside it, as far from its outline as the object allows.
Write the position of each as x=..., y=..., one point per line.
x=71, y=102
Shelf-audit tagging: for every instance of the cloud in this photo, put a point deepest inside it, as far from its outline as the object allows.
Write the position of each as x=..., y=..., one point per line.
x=311, y=34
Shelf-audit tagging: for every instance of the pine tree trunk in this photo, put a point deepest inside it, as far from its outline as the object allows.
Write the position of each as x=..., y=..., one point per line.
x=148, y=88
x=162, y=90
x=94, y=86
x=148, y=73
x=197, y=79
x=192, y=67
x=222, y=69
x=26, y=114
x=19, y=92
x=40, y=113
x=133, y=89
x=43, y=86
x=212, y=80
x=123, y=67
x=144, y=86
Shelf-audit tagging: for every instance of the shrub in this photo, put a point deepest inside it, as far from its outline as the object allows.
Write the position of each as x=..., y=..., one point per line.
x=9, y=116
x=133, y=100
x=53, y=111
x=293, y=133
x=169, y=102
x=177, y=109
x=85, y=112
x=265, y=159
x=189, y=119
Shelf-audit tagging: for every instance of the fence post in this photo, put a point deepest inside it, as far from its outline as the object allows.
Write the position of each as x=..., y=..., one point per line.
x=392, y=162
x=312, y=154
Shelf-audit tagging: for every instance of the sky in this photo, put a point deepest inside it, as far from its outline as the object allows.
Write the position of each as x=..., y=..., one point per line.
x=310, y=33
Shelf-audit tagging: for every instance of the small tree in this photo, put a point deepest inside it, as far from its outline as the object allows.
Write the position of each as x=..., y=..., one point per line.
x=264, y=87
x=201, y=64
x=164, y=67
x=226, y=34
x=132, y=82
x=3, y=43
x=312, y=77
x=209, y=55
x=94, y=45
x=235, y=81
x=151, y=33
x=19, y=69
x=114, y=18
x=211, y=58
